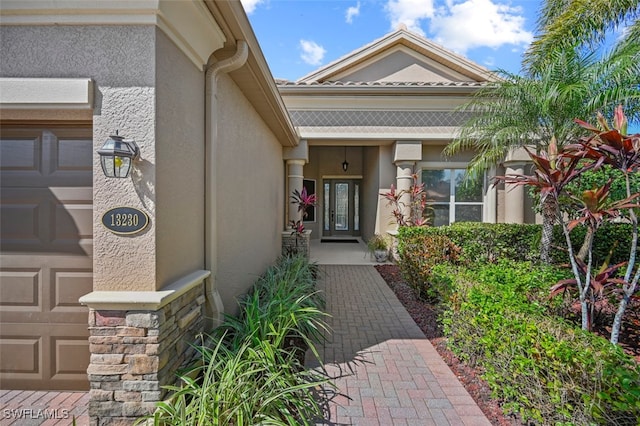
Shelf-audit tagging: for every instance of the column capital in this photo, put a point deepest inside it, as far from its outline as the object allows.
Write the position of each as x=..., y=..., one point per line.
x=516, y=156
x=294, y=162
x=300, y=152
x=404, y=164
x=407, y=151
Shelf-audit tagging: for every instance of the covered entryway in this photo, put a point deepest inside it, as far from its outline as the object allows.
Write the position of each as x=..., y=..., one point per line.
x=45, y=254
x=341, y=202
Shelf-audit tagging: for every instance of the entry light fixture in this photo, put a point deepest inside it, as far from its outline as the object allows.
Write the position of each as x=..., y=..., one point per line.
x=117, y=156
x=345, y=163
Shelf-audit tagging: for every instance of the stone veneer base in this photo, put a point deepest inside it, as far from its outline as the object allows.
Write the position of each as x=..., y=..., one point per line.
x=137, y=348
x=293, y=243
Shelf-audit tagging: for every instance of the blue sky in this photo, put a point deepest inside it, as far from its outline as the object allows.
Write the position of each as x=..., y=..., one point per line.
x=299, y=36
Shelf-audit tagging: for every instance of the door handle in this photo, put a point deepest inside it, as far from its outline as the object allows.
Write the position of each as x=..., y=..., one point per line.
x=332, y=215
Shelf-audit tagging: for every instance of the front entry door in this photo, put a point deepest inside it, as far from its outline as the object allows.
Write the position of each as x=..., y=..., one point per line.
x=341, y=201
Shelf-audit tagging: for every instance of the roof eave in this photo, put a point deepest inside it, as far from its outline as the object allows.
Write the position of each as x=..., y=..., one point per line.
x=254, y=78
x=380, y=90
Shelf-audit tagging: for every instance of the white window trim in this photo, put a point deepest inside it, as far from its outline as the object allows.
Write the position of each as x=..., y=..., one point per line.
x=452, y=203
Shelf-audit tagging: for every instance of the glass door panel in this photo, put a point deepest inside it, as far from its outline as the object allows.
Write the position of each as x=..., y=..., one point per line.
x=342, y=206
x=327, y=207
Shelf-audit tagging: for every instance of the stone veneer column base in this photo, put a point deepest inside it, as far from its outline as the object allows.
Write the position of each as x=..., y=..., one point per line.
x=138, y=340
x=293, y=243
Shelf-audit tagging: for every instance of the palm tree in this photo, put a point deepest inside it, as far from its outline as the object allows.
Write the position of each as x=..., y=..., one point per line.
x=538, y=107
x=564, y=24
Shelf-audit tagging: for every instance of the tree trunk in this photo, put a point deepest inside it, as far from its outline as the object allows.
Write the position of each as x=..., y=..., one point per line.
x=548, y=220
x=588, y=240
x=617, y=320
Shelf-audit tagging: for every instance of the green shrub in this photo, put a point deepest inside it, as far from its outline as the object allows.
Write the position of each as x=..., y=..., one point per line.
x=251, y=371
x=249, y=385
x=615, y=237
x=484, y=242
x=488, y=242
x=282, y=307
x=540, y=366
x=418, y=253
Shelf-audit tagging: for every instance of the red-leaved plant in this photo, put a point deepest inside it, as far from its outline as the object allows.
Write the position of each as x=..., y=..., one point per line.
x=304, y=201
x=554, y=170
x=408, y=204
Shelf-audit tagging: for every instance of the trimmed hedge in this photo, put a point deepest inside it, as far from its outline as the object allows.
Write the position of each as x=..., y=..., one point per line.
x=541, y=367
x=488, y=242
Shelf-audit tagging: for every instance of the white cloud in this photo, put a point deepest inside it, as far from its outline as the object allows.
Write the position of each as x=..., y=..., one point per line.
x=409, y=13
x=352, y=12
x=489, y=61
x=479, y=23
x=312, y=52
x=250, y=5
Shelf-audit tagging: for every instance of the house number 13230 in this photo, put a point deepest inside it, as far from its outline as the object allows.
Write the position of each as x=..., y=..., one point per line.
x=125, y=220
x=128, y=219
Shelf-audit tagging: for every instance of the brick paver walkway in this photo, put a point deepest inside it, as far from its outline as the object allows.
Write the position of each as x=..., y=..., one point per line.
x=385, y=370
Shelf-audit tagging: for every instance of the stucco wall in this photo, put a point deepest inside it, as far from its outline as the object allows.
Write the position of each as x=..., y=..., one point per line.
x=120, y=60
x=370, y=189
x=250, y=179
x=180, y=156
x=402, y=65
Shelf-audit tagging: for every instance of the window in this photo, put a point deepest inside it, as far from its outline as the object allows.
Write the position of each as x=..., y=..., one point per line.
x=450, y=199
x=310, y=186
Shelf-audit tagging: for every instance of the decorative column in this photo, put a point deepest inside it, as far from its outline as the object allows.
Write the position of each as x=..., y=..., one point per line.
x=405, y=156
x=514, y=196
x=295, y=177
x=296, y=158
x=404, y=179
x=490, y=199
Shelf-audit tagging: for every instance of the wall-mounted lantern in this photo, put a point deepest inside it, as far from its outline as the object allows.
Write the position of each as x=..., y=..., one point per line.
x=117, y=156
x=345, y=163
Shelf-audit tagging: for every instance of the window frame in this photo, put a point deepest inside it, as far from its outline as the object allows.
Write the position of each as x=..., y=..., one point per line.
x=452, y=203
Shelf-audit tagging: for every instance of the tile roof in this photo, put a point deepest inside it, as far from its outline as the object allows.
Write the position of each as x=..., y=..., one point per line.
x=286, y=83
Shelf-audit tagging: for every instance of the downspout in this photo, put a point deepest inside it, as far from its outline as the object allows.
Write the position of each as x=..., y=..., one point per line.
x=214, y=304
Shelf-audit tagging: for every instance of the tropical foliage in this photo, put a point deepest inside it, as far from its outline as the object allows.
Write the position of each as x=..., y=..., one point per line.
x=541, y=367
x=304, y=201
x=564, y=24
x=408, y=205
x=564, y=76
x=250, y=370
x=555, y=170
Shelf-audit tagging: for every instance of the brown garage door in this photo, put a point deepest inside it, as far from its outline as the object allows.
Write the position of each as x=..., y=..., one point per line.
x=45, y=255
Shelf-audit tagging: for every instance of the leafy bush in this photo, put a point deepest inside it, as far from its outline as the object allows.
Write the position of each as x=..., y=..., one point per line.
x=417, y=255
x=484, y=242
x=247, y=385
x=283, y=307
x=488, y=242
x=540, y=366
x=610, y=237
x=251, y=369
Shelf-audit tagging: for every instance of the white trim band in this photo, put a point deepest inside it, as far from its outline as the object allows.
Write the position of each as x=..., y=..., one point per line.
x=143, y=300
x=46, y=93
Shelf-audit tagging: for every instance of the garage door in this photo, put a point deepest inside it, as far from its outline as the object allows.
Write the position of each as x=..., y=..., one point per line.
x=45, y=255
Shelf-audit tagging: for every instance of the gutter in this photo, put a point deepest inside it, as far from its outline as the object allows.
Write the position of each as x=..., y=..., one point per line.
x=214, y=306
